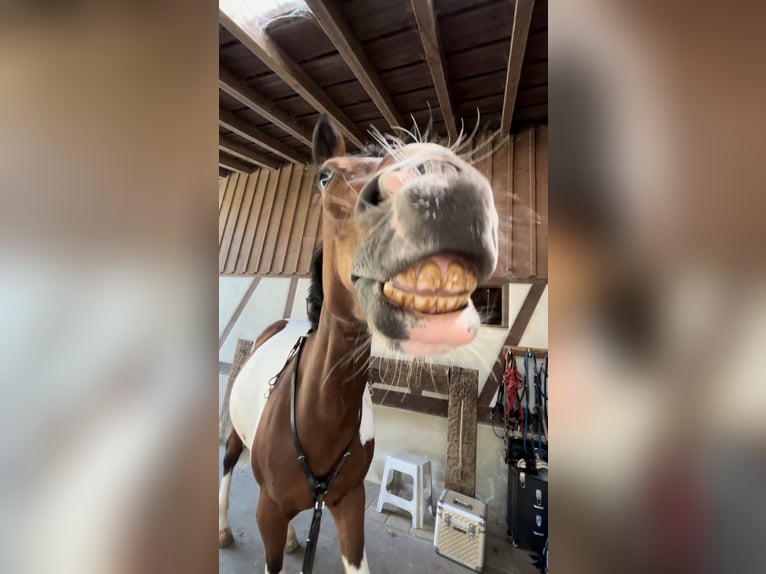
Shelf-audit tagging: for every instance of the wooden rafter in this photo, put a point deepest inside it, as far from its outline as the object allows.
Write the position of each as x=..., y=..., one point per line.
x=429, y=37
x=332, y=21
x=263, y=46
x=259, y=103
x=522, y=16
x=233, y=164
x=245, y=153
x=249, y=132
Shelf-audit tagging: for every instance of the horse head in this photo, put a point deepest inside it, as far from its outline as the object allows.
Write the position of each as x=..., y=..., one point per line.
x=407, y=237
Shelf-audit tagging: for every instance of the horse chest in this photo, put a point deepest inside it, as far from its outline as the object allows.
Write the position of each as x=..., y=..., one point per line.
x=261, y=417
x=278, y=473
x=251, y=389
x=274, y=457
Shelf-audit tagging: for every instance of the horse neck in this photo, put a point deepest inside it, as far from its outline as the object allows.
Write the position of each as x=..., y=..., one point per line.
x=334, y=372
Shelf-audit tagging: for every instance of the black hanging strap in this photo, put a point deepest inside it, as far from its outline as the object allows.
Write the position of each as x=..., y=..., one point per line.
x=318, y=486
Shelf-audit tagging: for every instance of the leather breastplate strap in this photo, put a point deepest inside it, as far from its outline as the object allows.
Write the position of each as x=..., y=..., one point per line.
x=318, y=486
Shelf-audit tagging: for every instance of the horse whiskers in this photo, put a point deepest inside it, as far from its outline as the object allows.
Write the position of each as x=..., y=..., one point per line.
x=462, y=146
x=490, y=140
x=414, y=138
x=491, y=151
x=430, y=124
x=492, y=370
x=464, y=143
x=478, y=357
x=363, y=367
x=453, y=146
x=431, y=372
x=388, y=142
x=347, y=358
x=393, y=142
x=416, y=128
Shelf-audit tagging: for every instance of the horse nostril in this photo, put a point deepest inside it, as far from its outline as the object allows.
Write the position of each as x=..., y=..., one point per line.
x=371, y=196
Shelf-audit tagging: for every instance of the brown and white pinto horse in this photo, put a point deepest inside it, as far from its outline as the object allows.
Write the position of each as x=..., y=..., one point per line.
x=406, y=237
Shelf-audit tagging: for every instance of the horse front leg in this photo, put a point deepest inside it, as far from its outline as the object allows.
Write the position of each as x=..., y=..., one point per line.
x=348, y=515
x=272, y=525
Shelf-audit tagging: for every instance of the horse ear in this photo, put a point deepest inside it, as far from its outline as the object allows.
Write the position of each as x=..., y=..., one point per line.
x=327, y=141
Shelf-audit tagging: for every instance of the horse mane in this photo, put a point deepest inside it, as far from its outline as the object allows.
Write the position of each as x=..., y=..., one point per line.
x=315, y=297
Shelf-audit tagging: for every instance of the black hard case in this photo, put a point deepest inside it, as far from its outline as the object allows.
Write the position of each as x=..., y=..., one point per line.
x=527, y=515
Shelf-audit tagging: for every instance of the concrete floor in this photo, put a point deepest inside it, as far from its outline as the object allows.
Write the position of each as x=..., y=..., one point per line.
x=392, y=546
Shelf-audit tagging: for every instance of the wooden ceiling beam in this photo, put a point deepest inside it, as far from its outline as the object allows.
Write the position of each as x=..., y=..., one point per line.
x=233, y=164
x=260, y=104
x=327, y=13
x=429, y=37
x=245, y=153
x=522, y=16
x=266, y=49
x=249, y=132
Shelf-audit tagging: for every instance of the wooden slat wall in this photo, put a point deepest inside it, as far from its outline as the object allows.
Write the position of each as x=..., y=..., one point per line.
x=270, y=221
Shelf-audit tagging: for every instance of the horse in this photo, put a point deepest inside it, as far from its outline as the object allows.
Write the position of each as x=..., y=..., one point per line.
x=408, y=232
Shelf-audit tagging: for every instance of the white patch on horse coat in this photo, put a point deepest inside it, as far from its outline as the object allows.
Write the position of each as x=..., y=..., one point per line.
x=223, y=501
x=367, y=426
x=248, y=395
x=363, y=569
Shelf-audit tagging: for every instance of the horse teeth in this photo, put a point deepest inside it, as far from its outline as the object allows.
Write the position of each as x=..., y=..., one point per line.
x=408, y=277
x=455, y=279
x=422, y=287
x=424, y=303
x=396, y=295
x=430, y=277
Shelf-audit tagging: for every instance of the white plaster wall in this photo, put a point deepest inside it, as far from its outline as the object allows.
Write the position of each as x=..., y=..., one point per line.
x=266, y=305
x=517, y=292
x=536, y=334
x=230, y=293
x=299, y=304
x=397, y=430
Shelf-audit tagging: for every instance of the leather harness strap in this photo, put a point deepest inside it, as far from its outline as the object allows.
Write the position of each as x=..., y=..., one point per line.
x=318, y=486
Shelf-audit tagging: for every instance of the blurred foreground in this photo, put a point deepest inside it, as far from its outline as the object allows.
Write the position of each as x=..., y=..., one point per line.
x=658, y=294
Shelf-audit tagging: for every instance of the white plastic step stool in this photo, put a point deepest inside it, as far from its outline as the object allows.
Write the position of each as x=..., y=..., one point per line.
x=419, y=469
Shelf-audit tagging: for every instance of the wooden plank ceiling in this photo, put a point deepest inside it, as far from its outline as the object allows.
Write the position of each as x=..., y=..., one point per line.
x=377, y=63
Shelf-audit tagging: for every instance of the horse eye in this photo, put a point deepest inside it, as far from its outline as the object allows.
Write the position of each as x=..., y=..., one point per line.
x=324, y=178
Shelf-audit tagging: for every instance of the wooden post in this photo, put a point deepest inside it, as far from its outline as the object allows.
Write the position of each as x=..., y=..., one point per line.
x=241, y=353
x=461, y=431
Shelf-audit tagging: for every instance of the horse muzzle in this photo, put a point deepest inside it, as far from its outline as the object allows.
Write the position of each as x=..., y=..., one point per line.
x=429, y=237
